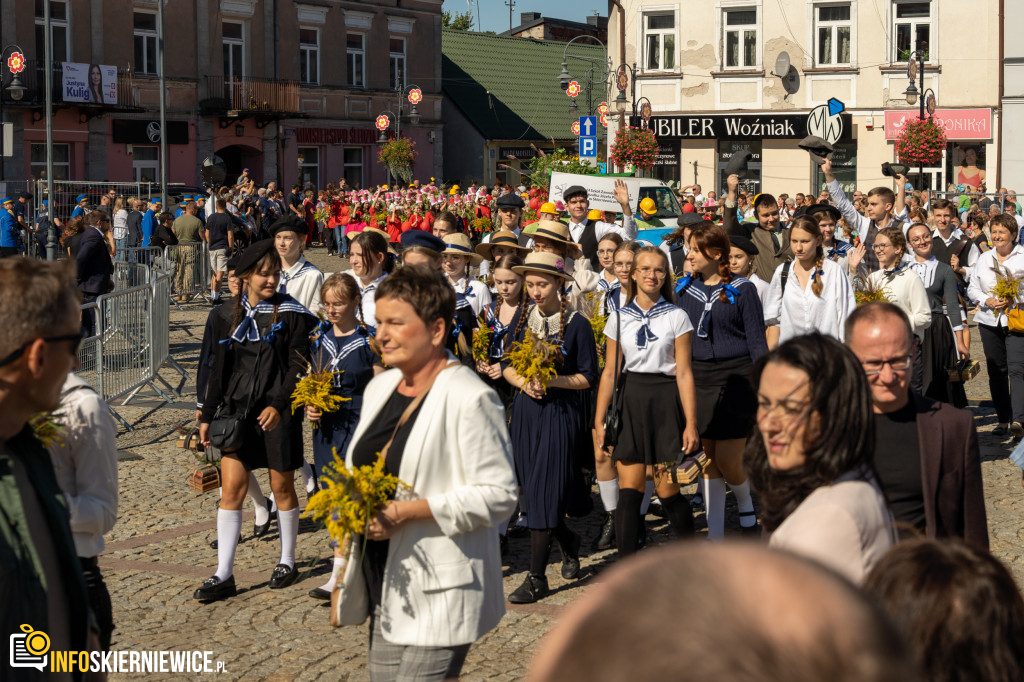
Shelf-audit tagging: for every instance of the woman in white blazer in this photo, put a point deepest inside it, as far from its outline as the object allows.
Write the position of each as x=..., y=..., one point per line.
x=430, y=576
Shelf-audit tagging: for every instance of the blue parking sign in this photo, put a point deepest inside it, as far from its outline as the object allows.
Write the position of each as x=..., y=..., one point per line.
x=588, y=147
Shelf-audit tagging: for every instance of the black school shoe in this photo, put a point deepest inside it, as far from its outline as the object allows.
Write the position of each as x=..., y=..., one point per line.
x=605, y=540
x=283, y=576
x=534, y=588
x=215, y=590
x=571, y=558
x=258, y=529
x=320, y=593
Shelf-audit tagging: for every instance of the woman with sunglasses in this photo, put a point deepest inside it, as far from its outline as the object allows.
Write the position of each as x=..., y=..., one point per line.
x=811, y=457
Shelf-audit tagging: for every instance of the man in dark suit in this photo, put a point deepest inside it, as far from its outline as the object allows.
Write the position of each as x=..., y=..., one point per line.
x=771, y=240
x=926, y=452
x=93, y=263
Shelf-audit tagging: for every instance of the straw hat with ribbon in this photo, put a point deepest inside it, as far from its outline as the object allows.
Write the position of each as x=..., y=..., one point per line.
x=458, y=244
x=556, y=232
x=544, y=263
x=382, y=233
x=500, y=238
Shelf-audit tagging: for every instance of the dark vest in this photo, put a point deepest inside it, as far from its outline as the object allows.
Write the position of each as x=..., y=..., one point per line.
x=943, y=254
x=588, y=243
x=677, y=255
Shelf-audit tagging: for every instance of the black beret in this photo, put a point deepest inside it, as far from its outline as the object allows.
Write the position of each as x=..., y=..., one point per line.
x=422, y=238
x=252, y=255
x=573, y=190
x=689, y=219
x=818, y=148
x=814, y=209
x=233, y=261
x=510, y=200
x=741, y=242
x=738, y=163
x=291, y=223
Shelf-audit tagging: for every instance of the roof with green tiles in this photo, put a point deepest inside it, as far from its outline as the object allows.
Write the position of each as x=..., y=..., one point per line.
x=508, y=87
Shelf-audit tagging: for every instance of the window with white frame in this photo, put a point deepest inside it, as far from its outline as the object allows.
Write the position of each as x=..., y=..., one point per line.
x=233, y=37
x=309, y=55
x=60, y=37
x=145, y=41
x=659, y=41
x=356, y=59
x=397, y=62
x=739, y=28
x=146, y=163
x=912, y=29
x=354, y=166
x=61, y=161
x=833, y=35
x=309, y=166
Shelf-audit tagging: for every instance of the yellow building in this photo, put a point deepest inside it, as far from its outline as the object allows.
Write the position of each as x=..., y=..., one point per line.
x=710, y=71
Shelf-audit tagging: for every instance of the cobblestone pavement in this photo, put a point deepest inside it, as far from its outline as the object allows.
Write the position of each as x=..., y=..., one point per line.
x=159, y=552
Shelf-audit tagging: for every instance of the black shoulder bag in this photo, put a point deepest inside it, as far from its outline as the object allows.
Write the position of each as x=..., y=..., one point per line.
x=613, y=418
x=227, y=430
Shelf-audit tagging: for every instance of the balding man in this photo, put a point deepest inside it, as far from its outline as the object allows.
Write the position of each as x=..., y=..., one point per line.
x=766, y=616
x=927, y=452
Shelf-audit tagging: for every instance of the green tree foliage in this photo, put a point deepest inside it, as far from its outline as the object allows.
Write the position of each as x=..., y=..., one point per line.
x=557, y=160
x=459, y=21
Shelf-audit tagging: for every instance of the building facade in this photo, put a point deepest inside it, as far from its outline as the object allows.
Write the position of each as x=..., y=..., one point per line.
x=534, y=25
x=290, y=90
x=1013, y=98
x=710, y=71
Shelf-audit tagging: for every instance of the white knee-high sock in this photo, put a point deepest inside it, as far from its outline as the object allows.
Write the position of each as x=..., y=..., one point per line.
x=648, y=492
x=258, y=499
x=229, y=525
x=609, y=494
x=288, y=524
x=714, y=504
x=339, y=567
x=744, y=503
x=308, y=478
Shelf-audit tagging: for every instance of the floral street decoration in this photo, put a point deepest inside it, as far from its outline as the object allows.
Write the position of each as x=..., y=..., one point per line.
x=921, y=143
x=635, y=147
x=351, y=497
x=399, y=155
x=534, y=358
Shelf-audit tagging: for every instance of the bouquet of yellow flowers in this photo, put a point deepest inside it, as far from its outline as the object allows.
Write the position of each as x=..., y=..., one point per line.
x=321, y=215
x=47, y=428
x=1007, y=287
x=534, y=358
x=871, y=293
x=314, y=390
x=350, y=497
x=597, y=324
x=482, y=336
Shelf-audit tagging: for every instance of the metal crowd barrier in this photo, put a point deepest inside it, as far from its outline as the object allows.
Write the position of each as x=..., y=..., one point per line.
x=1000, y=200
x=191, y=262
x=130, y=342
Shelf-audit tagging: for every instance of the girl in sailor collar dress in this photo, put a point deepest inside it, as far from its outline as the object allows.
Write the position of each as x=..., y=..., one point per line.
x=547, y=427
x=456, y=259
x=500, y=315
x=371, y=263
x=729, y=338
x=261, y=354
x=343, y=346
x=658, y=398
x=810, y=293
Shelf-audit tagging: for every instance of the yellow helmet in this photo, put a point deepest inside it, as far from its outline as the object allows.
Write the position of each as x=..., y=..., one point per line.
x=595, y=215
x=548, y=207
x=647, y=206
x=384, y=187
x=453, y=191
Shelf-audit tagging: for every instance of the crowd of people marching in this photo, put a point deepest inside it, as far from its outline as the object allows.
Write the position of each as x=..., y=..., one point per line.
x=801, y=349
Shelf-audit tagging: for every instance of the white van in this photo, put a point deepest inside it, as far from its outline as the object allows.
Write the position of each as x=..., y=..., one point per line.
x=600, y=191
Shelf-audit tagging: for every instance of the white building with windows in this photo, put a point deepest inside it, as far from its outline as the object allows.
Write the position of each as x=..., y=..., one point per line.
x=709, y=71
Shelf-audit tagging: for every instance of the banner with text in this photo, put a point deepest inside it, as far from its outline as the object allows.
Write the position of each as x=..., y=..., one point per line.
x=90, y=83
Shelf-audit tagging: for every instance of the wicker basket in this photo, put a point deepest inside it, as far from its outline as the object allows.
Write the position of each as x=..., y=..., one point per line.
x=965, y=375
x=204, y=479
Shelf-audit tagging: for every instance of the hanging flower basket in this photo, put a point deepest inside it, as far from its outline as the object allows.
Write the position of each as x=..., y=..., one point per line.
x=399, y=155
x=921, y=143
x=635, y=147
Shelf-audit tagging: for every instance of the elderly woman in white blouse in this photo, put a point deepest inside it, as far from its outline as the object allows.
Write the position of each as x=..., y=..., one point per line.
x=1004, y=349
x=810, y=293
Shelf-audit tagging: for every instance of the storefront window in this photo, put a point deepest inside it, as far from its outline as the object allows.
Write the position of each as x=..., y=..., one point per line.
x=354, y=166
x=146, y=163
x=966, y=163
x=61, y=161
x=844, y=167
x=309, y=166
x=666, y=166
x=749, y=181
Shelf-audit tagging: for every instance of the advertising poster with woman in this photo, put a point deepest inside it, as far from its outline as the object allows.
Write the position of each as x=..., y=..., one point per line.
x=90, y=83
x=968, y=164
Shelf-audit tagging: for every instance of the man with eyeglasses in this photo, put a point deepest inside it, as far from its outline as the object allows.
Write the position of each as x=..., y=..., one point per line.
x=41, y=580
x=926, y=452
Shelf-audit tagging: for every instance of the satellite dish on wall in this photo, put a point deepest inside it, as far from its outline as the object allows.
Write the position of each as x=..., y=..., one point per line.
x=782, y=65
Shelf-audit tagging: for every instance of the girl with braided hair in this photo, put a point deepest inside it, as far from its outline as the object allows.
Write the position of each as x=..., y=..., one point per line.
x=456, y=260
x=500, y=315
x=548, y=428
x=728, y=338
x=810, y=293
x=259, y=357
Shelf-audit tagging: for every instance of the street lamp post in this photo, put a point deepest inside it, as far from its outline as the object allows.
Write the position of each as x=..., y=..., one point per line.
x=414, y=95
x=923, y=98
x=12, y=87
x=564, y=78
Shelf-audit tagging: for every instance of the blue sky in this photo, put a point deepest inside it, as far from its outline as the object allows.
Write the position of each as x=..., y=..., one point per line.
x=494, y=13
